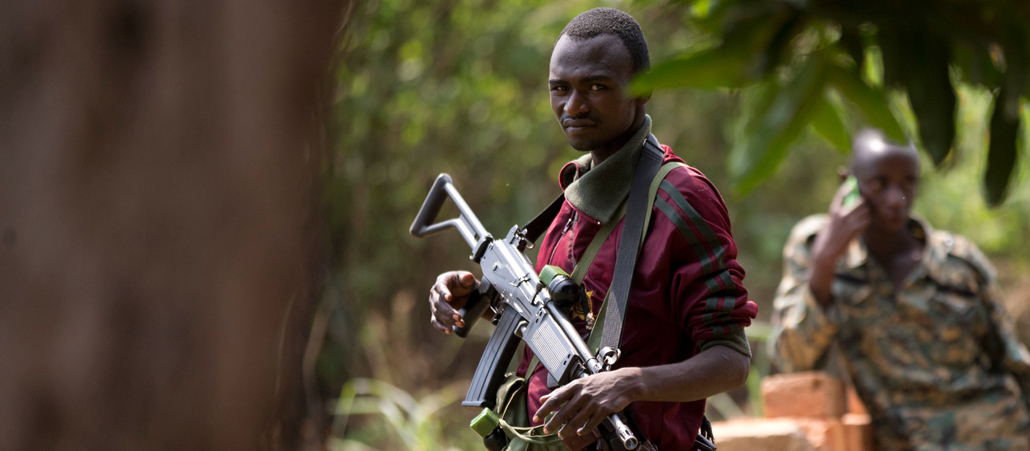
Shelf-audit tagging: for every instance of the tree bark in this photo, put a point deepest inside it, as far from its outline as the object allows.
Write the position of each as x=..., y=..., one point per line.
x=159, y=231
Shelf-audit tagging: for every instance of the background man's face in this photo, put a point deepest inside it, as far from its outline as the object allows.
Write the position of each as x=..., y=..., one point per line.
x=887, y=180
x=589, y=91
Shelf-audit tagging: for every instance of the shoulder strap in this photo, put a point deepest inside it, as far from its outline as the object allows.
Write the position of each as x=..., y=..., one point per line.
x=538, y=225
x=653, y=191
x=594, y=340
x=637, y=208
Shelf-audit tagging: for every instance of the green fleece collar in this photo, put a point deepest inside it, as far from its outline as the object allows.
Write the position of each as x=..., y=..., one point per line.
x=599, y=191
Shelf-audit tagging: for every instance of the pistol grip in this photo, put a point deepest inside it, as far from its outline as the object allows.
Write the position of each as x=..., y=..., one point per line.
x=478, y=302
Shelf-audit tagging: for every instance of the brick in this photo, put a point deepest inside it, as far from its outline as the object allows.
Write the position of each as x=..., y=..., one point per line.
x=803, y=395
x=824, y=434
x=759, y=434
x=858, y=431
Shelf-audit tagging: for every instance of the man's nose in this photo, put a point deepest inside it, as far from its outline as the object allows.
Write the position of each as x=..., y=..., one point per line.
x=577, y=104
x=895, y=196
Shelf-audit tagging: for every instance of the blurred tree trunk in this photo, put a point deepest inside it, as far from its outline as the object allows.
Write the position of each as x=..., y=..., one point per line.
x=160, y=240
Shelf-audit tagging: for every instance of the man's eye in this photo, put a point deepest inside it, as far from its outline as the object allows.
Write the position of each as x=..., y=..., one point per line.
x=597, y=87
x=558, y=88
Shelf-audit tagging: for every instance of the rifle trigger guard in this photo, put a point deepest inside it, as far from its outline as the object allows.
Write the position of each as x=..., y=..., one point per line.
x=609, y=356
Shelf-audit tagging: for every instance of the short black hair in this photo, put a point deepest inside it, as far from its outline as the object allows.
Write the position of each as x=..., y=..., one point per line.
x=873, y=140
x=598, y=21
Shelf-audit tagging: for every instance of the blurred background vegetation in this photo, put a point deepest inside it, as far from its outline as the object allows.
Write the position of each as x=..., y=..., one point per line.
x=459, y=86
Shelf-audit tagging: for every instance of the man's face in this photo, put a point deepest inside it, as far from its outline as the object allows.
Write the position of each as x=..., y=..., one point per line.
x=589, y=84
x=888, y=179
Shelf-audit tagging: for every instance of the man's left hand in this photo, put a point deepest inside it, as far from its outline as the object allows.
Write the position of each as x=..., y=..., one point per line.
x=583, y=404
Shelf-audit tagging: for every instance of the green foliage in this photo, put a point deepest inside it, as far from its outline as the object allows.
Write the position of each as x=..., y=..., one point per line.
x=706, y=69
x=945, y=197
x=430, y=87
x=779, y=117
x=1002, y=158
x=804, y=54
x=414, y=421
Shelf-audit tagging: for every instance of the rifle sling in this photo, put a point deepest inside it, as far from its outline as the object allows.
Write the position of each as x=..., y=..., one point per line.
x=637, y=208
x=594, y=340
x=538, y=225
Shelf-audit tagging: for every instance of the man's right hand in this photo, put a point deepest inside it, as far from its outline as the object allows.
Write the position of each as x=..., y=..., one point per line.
x=450, y=293
x=845, y=224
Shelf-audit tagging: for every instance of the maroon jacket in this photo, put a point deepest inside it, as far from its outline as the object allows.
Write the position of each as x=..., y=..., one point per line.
x=686, y=293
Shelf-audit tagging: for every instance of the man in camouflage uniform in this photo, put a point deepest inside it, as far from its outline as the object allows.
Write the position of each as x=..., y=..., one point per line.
x=915, y=312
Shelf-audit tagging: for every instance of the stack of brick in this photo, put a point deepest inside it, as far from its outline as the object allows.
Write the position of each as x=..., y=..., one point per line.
x=803, y=412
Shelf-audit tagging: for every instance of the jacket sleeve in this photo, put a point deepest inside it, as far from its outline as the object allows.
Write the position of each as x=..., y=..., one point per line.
x=707, y=292
x=1003, y=346
x=802, y=329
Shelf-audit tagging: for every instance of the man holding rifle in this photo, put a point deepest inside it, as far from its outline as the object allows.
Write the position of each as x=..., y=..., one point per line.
x=683, y=337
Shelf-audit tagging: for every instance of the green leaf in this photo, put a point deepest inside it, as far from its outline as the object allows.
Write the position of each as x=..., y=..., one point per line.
x=871, y=102
x=775, y=125
x=851, y=42
x=780, y=46
x=755, y=38
x=895, y=45
x=975, y=66
x=872, y=68
x=700, y=9
x=1017, y=61
x=713, y=68
x=926, y=78
x=1002, y=154
x=827, y=121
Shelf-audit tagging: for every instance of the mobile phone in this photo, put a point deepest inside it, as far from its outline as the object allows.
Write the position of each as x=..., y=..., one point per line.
x=851, y=198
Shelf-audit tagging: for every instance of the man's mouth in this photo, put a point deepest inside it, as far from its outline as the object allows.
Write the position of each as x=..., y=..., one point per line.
x=895, y=216
x=576, y=124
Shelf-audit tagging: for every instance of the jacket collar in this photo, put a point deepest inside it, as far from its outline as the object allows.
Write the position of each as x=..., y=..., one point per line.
x=599, y=191
x=935, y=251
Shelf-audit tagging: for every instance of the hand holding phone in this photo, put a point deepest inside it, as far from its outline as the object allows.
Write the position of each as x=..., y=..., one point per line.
x=847, y=218
x=851, y=198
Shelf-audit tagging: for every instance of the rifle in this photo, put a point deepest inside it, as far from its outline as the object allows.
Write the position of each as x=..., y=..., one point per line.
x=522, y=310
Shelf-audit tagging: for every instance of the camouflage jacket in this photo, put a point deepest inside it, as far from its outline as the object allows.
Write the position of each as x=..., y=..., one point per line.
x=937, y=363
